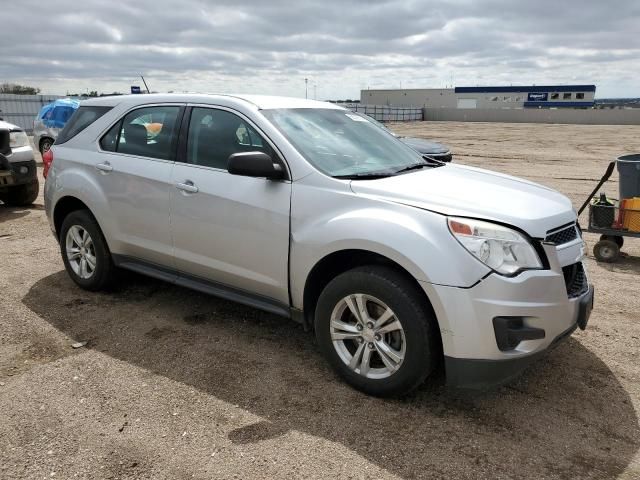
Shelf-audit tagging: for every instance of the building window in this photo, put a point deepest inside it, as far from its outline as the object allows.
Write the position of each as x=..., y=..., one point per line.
x=566, y=96
x=555, y=96
x=518, y=99
x=494, y=99
x=506, y=99
x=580, y=96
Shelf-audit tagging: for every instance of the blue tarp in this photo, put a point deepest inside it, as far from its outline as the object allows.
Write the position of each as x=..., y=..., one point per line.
x=56, y=114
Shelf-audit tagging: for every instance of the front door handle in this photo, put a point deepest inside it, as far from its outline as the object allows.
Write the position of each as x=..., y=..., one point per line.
x=187, y=186
x=105, y=167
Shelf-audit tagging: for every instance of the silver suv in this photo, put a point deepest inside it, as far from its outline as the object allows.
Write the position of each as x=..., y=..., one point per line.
x=304, y=209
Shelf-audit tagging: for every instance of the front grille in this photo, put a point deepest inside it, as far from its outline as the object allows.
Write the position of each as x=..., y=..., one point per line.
x=563, y=236
x=575, y=279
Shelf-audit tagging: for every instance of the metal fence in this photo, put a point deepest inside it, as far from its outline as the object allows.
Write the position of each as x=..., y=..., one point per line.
x=384, y=113
x=22, y=109
x=535, y=115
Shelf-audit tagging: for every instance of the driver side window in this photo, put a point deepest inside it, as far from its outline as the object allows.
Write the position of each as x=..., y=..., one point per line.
x=214, y=135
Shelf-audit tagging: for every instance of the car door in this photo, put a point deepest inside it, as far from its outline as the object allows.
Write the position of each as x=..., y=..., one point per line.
x=227, y=229
x=134, y=165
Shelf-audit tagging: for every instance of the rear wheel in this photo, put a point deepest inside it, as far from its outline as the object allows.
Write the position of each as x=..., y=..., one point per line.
x=85, y=252
x=376, y=331
x=45, y=145
x=606, y=251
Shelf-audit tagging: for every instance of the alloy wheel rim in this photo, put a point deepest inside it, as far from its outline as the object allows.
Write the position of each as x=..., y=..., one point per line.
x=80, y=252
x=368, y=336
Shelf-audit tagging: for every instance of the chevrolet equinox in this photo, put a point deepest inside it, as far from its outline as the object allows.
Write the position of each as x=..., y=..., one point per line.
x=398, y=262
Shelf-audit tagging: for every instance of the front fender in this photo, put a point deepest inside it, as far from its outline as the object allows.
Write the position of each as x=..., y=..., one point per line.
x=417, y=240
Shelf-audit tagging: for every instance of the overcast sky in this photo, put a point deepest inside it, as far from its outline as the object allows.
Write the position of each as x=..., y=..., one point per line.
x=341, y=46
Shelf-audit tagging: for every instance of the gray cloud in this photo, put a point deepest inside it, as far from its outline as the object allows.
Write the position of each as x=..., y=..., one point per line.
x=342, y=46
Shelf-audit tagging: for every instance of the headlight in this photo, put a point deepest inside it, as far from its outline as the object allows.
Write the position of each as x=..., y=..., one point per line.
x=500, y=248
x=18, y=139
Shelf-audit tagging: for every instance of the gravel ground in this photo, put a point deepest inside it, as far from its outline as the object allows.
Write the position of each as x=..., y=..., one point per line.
x=174, y=384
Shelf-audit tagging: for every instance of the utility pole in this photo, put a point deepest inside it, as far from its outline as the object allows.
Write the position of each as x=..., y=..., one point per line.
x=306, y=83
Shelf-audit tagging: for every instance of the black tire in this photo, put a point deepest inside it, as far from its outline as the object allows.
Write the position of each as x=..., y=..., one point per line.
x=614, y=238
x=45, y=144
x=423, y=346
x=22, y=195
x=606, y=251
x=105, y=271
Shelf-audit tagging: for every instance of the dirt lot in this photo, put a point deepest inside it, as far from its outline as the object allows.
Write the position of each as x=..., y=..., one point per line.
x=175, y=384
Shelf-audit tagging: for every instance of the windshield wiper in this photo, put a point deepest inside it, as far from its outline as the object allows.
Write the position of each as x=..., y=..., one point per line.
x=433, y=161
x=363, y=176
x=430, y=163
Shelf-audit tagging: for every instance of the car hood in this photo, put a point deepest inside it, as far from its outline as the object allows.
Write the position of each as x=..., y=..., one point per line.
x=473, y=192
x=8, y=126
x=423, y=145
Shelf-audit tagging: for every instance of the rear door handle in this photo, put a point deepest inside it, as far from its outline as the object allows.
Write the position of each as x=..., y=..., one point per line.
x=105, y=167
x=187, y=186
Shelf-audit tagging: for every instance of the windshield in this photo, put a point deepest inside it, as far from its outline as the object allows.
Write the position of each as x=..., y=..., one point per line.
x=343, y=144
x=374, y=121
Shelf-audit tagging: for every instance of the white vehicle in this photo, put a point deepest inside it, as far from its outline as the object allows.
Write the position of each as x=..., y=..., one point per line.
x=18, y=173
x=304, y=209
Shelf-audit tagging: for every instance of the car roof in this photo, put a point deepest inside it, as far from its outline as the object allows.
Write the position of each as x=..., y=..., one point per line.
x=257, y=101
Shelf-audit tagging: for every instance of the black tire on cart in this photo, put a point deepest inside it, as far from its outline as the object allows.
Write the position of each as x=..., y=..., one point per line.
x=614, y=238
x=606, y=251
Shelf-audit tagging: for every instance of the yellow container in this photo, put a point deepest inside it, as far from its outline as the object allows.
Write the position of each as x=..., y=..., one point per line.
x=631, y=214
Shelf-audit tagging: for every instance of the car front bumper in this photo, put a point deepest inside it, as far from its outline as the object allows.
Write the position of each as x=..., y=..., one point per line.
x=537, y=302
x=17, y=173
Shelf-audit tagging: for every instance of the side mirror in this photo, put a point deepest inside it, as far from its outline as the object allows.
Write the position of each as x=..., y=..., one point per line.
x=254, y=164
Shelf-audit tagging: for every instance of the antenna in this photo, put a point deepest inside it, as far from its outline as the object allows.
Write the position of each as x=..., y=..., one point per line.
x=145, y=84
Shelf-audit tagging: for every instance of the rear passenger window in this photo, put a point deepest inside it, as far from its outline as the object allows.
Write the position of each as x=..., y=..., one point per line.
x=146, y=132
x=214, y=135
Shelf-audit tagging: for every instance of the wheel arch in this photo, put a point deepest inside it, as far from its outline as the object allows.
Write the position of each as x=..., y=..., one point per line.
x=340, y=261
x=64, y=206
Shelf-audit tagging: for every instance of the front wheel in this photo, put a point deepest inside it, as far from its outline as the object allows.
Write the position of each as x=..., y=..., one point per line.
x=22, y=195
x=374, y=327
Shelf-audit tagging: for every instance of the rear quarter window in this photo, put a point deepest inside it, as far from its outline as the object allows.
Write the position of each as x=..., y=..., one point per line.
x=81, y=119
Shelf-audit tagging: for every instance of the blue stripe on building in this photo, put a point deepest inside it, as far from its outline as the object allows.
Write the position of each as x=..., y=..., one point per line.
x=559, y=104
x=526, y=89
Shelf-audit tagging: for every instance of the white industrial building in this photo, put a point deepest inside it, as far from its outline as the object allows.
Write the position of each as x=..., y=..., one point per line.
x=506, y=97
